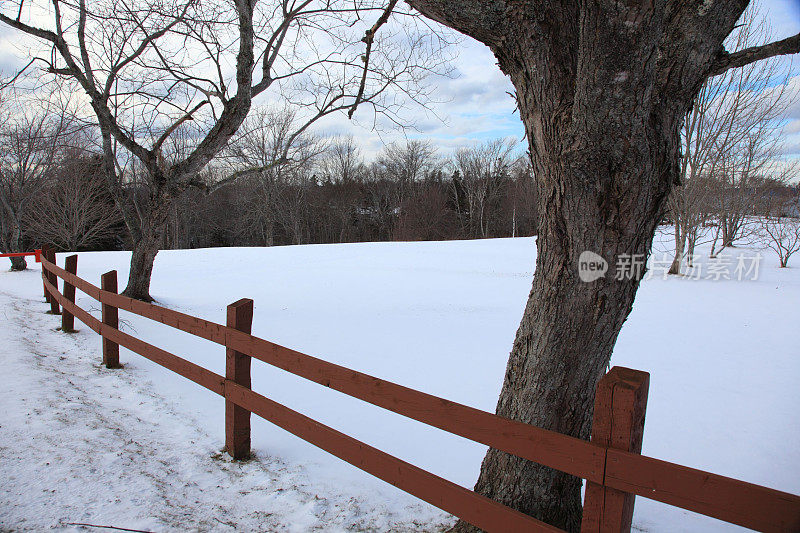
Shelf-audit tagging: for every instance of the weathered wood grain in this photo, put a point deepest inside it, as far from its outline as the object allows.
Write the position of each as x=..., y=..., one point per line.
x=619, y=412
x=237, y=370
x=111, y=319
x=67, y=319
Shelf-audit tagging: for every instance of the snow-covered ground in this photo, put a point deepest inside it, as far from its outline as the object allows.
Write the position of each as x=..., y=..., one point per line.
x=139, y=448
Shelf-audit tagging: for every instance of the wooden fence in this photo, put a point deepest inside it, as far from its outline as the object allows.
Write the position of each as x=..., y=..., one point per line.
x=611, y=463
x=36, y=254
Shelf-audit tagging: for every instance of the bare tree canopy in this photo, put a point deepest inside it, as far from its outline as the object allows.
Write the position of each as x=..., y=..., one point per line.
x=482, y=174
x=34, y=135
x=731, y=142
x=74, y=210
x=781, y=235
x=151, y=70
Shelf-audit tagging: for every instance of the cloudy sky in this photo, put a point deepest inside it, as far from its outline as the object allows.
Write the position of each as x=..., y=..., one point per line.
x=479, y=107
x=475, y=103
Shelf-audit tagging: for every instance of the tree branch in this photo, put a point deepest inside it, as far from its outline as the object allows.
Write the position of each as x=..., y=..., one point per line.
x=369, y=37
x=184, y=118
x=8, y=83
x=147, y=41
x=485, y=21
x=236, y=109
x=790, y=45
x=87, y=65
x=30, y=30
x=241, y=174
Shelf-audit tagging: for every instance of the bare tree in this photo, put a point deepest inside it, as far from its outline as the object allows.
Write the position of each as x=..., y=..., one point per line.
x=521, y=198
x=150, y=69
x=781, y=235
x=482, y=173
x=380, y=201
x=425, y=216
x=746, y=105
x=729, y=139
x=32, y=139
x=603, y=89
x=705, y=127
x=740, y=177
x=342, y=161
x=409, y=163
x=270, y=156
x=295, y=209
x=342, y=169
x=74, y=210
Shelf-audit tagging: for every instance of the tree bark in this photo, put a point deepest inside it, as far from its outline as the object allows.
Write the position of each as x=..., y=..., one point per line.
x=17, y=263
x=569, y=326
x=141, y=268
x=602, y=89
x=691, y=242
x=145, y=248
x=680, y=240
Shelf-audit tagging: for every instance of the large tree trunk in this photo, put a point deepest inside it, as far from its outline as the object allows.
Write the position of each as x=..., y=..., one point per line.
x=17, y=263
x=569, y=327
x=141, y=269
x=562, y=347
x=145, y=248
x=602, y=89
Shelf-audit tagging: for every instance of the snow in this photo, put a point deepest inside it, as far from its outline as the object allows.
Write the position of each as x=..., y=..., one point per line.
x=139, y=448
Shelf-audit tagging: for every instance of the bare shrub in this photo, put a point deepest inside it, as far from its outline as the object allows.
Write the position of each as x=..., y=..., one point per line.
x=781, y=235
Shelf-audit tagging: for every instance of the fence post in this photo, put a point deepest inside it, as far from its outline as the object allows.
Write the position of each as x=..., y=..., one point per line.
x=67, y=318
x=237, y=369
x=45, y=254
x=619, y=410
x=55, y=309
x=110, y=315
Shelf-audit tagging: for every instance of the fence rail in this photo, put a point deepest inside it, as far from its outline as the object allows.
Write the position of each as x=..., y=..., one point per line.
x=615, y=473
x=36, y=255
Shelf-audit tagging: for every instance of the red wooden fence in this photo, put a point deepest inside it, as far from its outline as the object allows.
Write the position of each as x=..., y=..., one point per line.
x=36, y=255
x=611, y=462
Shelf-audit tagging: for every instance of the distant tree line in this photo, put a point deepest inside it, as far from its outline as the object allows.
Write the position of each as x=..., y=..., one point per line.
x=322, y=190
x=407, y=193
x=271, y=186
x=327, y=192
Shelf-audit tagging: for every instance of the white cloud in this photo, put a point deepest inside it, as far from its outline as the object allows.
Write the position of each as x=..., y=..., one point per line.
x=478, y=106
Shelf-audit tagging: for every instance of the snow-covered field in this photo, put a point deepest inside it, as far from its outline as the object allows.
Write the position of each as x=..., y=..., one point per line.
x=139, y=448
